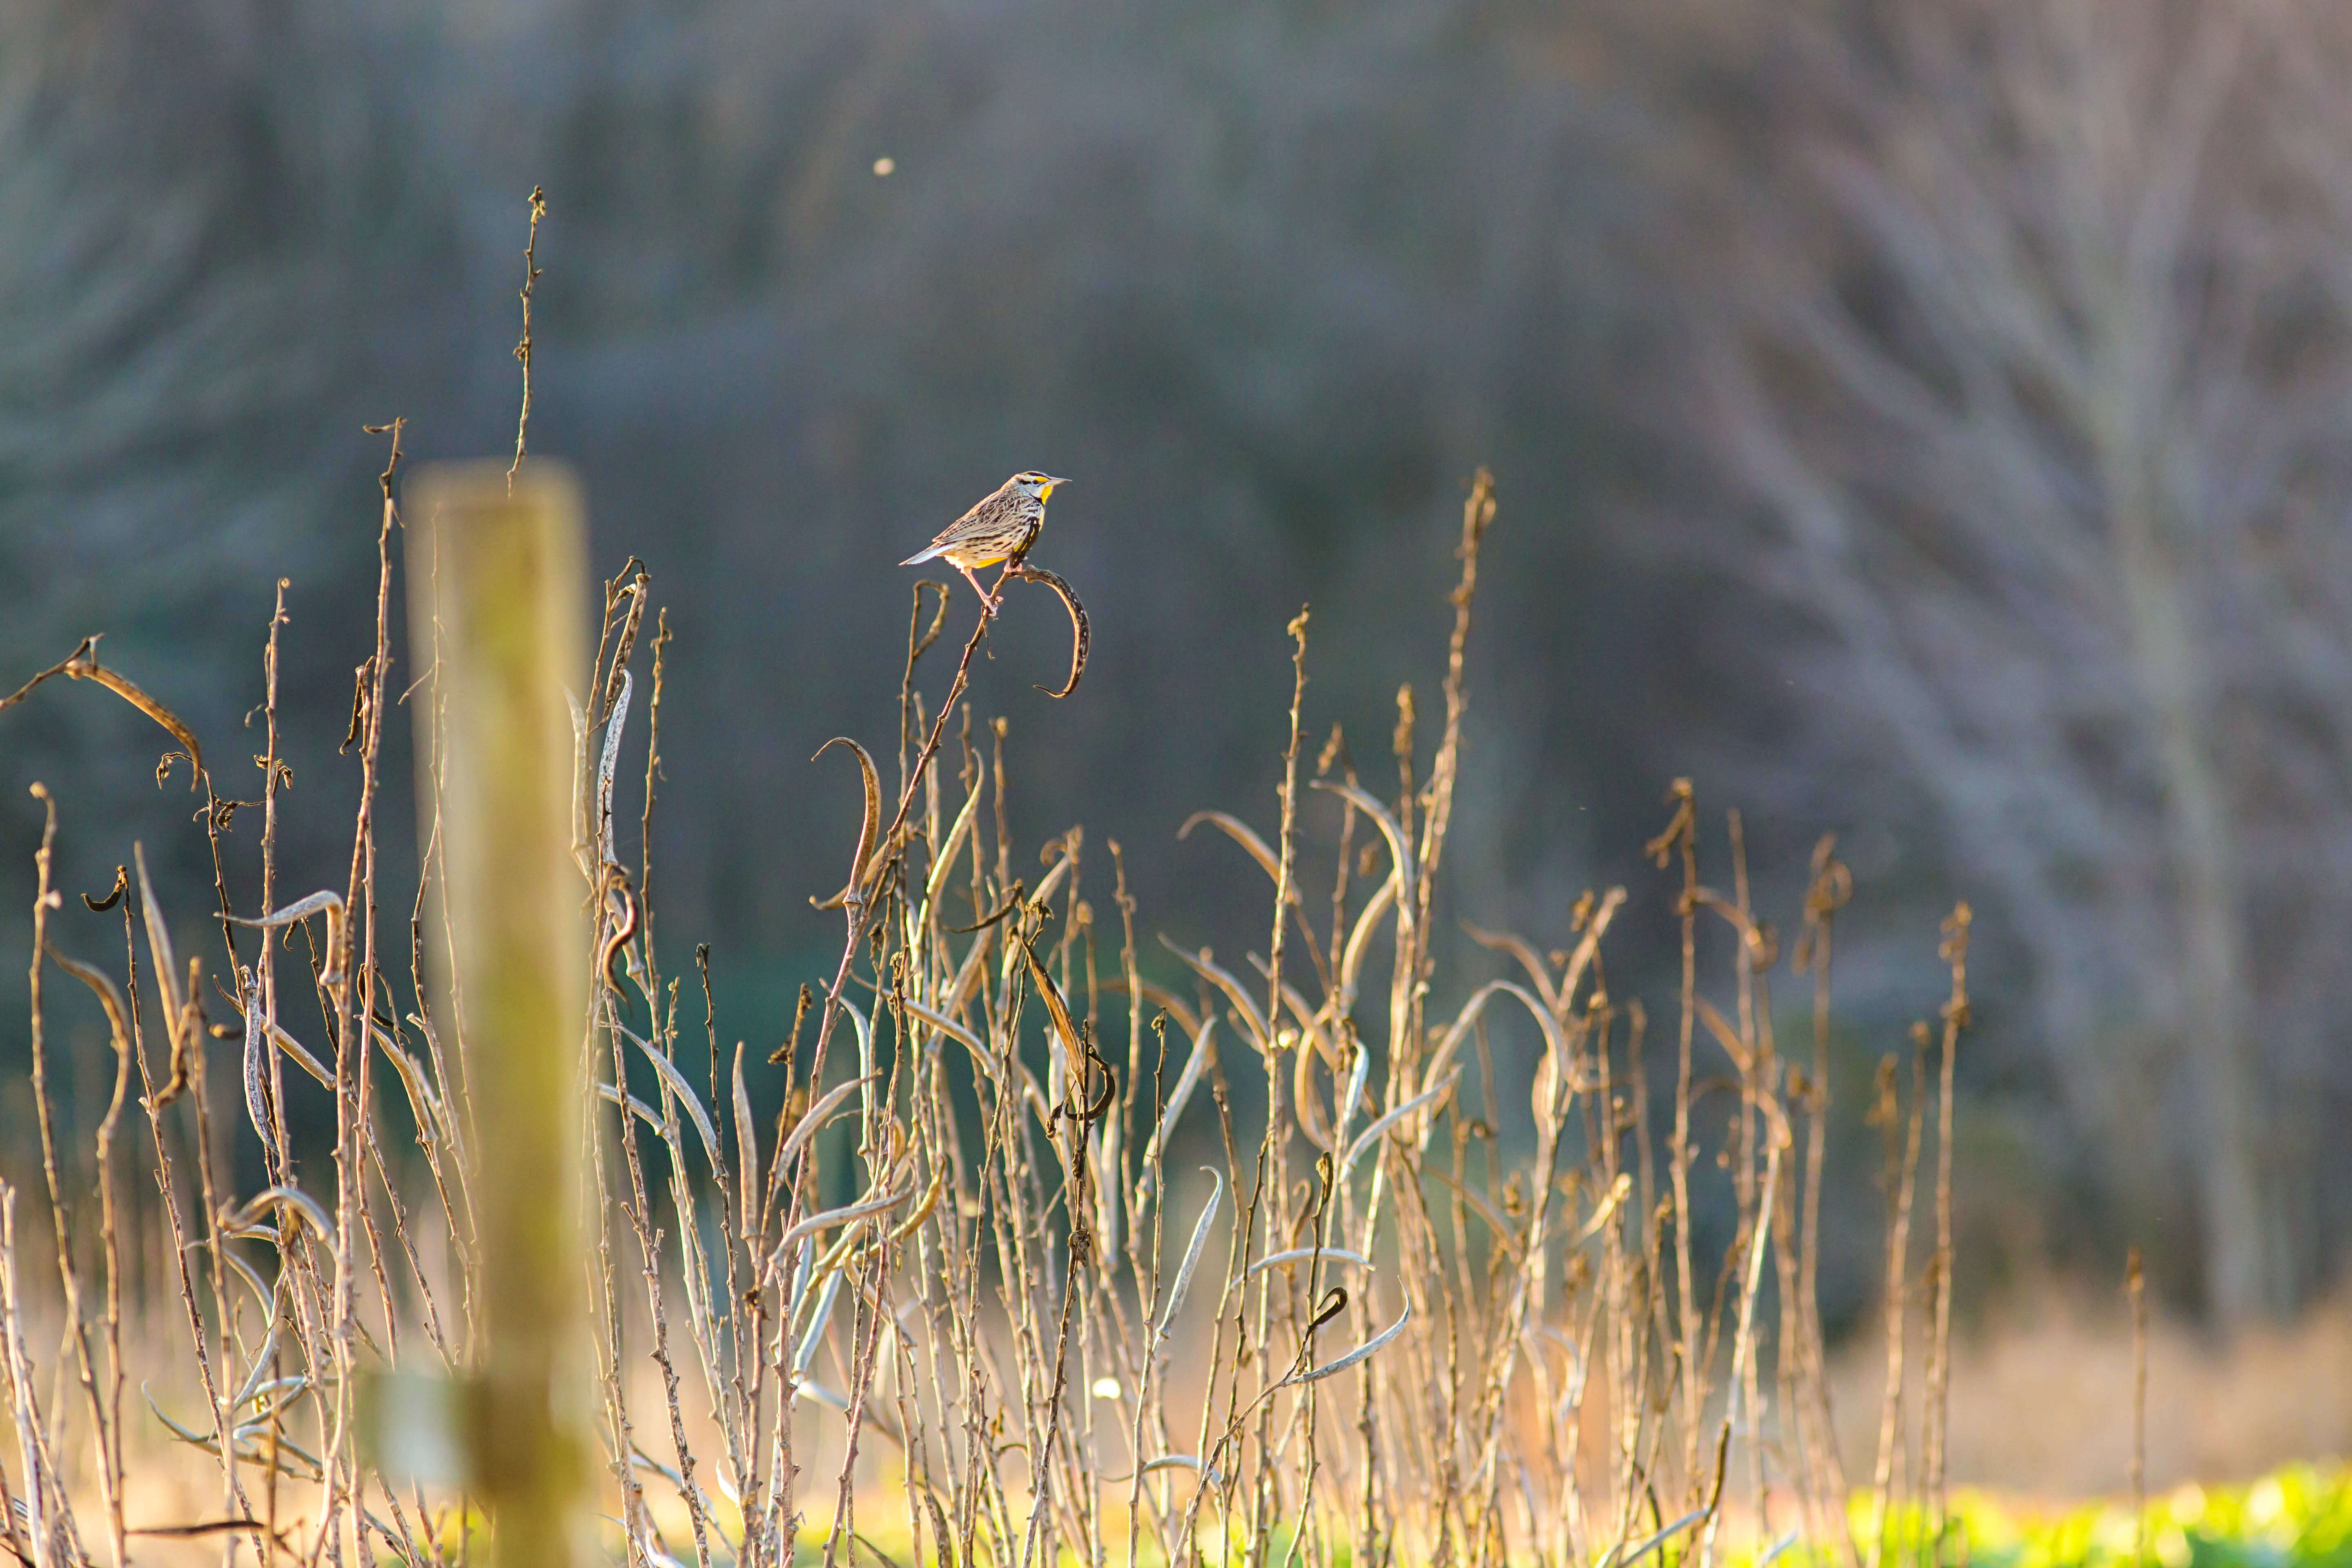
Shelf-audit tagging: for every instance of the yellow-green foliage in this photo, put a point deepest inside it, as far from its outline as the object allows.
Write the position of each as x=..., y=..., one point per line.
x=2297, y=1517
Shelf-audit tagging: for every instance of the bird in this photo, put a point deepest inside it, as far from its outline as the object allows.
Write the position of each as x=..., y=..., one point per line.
x=1001, y=526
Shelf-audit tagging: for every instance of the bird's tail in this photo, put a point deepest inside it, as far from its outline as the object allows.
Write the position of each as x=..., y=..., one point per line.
x=931, y=555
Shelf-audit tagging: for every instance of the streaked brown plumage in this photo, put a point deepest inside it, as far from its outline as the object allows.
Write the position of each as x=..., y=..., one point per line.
x=1002, y=526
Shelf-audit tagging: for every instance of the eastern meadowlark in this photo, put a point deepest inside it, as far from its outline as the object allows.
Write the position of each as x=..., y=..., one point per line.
x=1001, y=528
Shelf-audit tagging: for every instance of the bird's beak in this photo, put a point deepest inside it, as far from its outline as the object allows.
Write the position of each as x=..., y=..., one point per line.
x=1051, y=483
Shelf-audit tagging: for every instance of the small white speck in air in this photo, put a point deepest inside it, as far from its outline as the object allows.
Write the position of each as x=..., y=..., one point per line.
x=1106, y=1388
x=883, y=167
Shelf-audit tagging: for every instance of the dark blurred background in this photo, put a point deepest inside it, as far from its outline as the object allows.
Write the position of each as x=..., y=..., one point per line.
x=1923, y=421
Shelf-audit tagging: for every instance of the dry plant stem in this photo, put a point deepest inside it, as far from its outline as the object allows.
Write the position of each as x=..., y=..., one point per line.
x=355, y=1000
x=1275, y=1160
x=2136, y=1289
x=1681, y=836
x=1903, y=1173
x=1477, y=514
x=859, y=911
x=1938, y=1400
x=48, y=1521
x=1743, y=1343
x=523, y=348
x=111, y=1420
x=1832, y=886
x=167, y=1185
x=264, y=961
x=107, y=1433
x=638, y=1210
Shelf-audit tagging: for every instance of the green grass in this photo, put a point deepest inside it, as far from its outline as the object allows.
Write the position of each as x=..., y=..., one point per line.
x=2300, y=1517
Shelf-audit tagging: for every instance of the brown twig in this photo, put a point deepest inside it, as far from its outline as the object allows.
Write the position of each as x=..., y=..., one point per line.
x=523, y=348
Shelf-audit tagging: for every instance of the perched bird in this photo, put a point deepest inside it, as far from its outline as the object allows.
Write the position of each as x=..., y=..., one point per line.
x=1000, y=528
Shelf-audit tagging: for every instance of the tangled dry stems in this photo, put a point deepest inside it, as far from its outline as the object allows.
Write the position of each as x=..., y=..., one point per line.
x=1390, y=1327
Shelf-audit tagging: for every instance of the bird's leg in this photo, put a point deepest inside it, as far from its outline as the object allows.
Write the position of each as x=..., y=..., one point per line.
x=987, y=599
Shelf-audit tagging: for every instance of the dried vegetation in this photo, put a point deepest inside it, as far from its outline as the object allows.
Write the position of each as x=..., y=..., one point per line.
x=944, y=1279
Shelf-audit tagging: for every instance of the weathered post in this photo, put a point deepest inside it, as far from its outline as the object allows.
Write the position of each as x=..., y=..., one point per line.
x=497, y=595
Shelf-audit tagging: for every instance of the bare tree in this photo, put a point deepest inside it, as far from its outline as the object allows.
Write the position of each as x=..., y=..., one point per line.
x=2040, y=371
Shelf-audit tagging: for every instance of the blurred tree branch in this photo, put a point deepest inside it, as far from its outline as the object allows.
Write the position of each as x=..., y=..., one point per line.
x=2039, y=366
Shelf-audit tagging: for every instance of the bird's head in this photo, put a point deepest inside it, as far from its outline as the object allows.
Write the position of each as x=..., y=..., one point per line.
x=1030, y=482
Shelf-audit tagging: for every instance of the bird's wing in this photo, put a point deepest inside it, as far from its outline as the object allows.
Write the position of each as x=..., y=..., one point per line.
x=957, y=530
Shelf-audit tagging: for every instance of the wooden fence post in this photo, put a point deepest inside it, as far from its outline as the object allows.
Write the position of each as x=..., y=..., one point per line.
x=497, y=585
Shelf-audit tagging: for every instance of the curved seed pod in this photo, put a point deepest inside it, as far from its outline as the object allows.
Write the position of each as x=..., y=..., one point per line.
x=295, y=1053
x=1586, y=950
x=1359, y=941
x=1300, y=1255
x=1081, y=634
x=747, y=1140
x=1485, y=1211
x=1165, y=1462
x=1203, y=1052
x=1555, y=1046
x=1313, y=1043
x=924, y=1210
x=676, y=1082
x=607, y=768
x=814, y=1332
x=1241, y=832
x=1361, y=1353
x=110, y=996
x=1619, y=1557
x=325, y=900
x=263, y=1295
x=867, y=830
x=82, y=665
x=626, y=913
x=1260, y=1036
x=1517, y=947
x=167, y=974
x=944, y=861
x=811, y=1119
x=432, y=1119
x=257, y=1379
x=842, y=1215
x=1371, y=1135
x=645, y=1113
x=954, y=1031
x=1608, y=1206
x=1400, y=851
x=248, y=998
x=1356, y=1077
x=1160, y=996
x=1192, y=1252
x=294, y=1200
x=1065, y=1030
